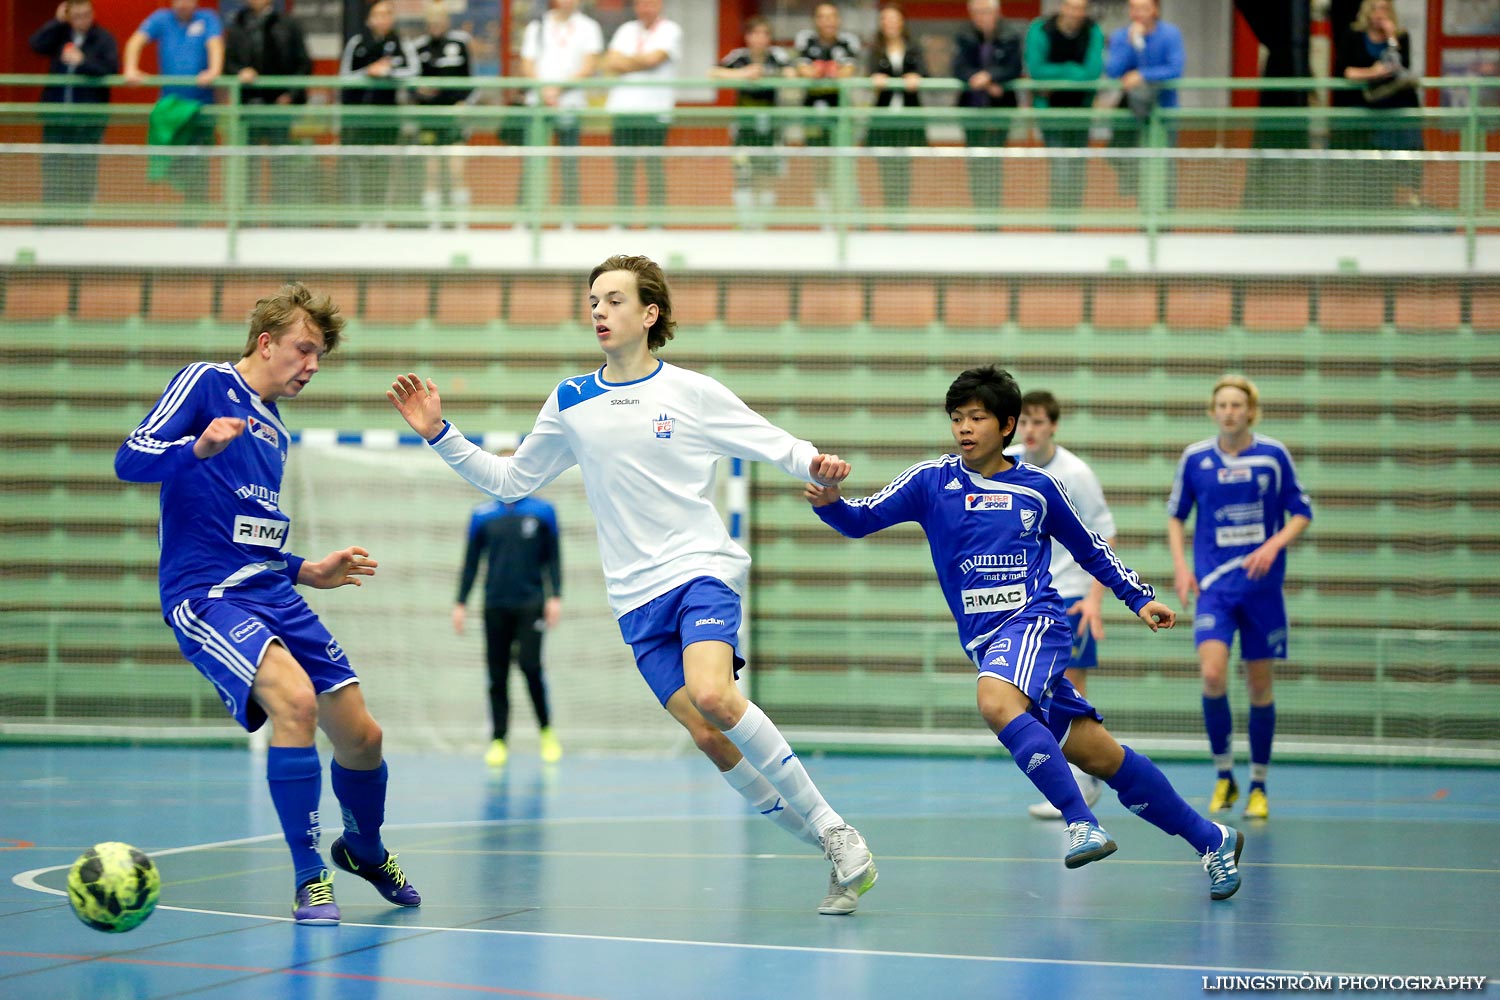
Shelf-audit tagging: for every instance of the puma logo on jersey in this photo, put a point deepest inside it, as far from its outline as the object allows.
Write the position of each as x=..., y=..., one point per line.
x=577, y=386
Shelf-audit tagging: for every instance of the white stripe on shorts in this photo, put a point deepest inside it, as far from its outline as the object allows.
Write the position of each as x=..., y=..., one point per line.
x=215, y=644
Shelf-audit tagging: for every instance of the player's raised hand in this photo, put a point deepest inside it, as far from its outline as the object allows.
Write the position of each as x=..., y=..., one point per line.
x=828, y=470
x=418, y=404
x=217, y=435
x=338, y=569
x=1157, y=615
x=821, y=496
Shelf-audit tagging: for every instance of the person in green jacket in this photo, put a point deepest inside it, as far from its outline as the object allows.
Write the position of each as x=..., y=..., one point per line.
x=1066, y=46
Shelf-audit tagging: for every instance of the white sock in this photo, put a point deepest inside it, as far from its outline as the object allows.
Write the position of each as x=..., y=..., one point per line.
x=757, y=791
x=769, y=753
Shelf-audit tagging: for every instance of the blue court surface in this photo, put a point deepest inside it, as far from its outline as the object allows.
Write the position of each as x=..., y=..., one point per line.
x=637, y=878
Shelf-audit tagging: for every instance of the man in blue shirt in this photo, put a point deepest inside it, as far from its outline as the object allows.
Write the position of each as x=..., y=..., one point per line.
x=216, y=443
x=1143, y=56
x=1250, y=508
x=990, y=522
x=189, y=42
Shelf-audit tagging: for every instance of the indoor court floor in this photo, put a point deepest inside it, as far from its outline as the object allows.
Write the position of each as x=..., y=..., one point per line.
x=640, y=878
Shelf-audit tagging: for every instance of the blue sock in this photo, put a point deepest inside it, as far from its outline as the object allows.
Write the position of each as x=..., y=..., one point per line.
x=1220, y=726
x=362, y=796
x=296, y=780
x=1041, y=759
x=1262, y=732
x=1145, y=791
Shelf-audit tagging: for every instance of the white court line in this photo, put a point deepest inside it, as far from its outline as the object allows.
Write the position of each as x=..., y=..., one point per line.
x=28, y=880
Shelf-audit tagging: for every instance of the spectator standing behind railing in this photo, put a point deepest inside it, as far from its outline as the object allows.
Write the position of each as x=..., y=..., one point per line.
x=560, y=47
x=1144, y=55
x=443, y=52
x=755, y=176
x=824, y=53
x=986, y=60
x=76, y=47
x=1066, y=46
x=189, y=42
x=896, y=69
x=1375, y=51
x=260, y=40
x=648, y=48
x=377, y=54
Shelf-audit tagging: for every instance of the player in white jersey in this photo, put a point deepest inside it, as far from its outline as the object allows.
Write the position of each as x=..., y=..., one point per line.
x=1082, y=595
x=647, y=435
x=216, y=444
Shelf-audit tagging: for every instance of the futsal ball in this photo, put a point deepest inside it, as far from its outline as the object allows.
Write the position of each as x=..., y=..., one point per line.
x=113, y=887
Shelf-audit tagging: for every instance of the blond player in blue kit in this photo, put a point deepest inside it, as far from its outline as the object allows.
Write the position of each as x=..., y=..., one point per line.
x=646, y=436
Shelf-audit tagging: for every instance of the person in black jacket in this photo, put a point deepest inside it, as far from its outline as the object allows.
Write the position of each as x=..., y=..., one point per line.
x=896, y=68
x=76, y=47
x=986, y=59
x=1376, y=51
x=262, y=41
x=522, y=599
x=380, y=55
x=444, y=52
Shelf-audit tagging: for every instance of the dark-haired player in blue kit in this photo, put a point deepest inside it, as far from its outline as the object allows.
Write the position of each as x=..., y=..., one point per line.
x=1250, y=508
x=990, y=522
x=216, y=443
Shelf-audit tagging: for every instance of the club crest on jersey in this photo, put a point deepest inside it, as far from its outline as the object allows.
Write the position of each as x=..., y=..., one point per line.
x=264, y=431
x=1028, y=520
x=987, y=501
x=663, y=426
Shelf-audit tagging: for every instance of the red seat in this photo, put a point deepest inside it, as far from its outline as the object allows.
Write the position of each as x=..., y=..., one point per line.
x=470, y=300
x=396, y=299
x=1351, y=306
x=976, y=303
x=1195, y=304
x=1046, y=304
x=181, y=298
x=109, y=296
x=759, y=302
x=906, y=304
x=547, y=301
x=1281, y=307
x=1428, y=307
x=835, y=302
x=36, y=295
x=1124, y=304
x=695, y=301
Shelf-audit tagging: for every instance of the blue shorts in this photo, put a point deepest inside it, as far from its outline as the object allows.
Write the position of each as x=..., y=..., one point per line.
x=226, y=639
x=1084, y=649
x=659, y=630
x=1032, y=654
x=1258, y=615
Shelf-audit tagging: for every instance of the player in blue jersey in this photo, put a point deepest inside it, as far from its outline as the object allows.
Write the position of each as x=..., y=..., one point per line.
x=1250, y=508
x=647, y=437
x=990, y=522
x=216, y=443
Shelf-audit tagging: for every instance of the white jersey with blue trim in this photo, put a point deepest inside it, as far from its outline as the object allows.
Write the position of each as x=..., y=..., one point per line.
x=1070, y=580
x=222, y=530
x=1242, y=500
x=647, y=450
x=991, y=540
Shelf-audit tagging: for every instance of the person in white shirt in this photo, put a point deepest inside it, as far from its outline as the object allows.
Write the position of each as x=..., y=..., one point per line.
x=646, y=49
x=647, y=436
x=560, y=47
x=1082, y=595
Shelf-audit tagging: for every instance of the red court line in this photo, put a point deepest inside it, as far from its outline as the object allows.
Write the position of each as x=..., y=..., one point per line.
x=7, y=844
x=396, y=980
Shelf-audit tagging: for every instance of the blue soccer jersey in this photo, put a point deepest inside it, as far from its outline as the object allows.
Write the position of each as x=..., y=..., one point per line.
x=1242, y=500
x=222, y=530
x=991, y=541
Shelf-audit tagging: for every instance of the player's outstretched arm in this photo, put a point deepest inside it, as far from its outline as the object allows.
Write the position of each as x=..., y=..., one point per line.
x=828, y=470
x=337, y=569
x=418, y=403
x=1157, y=615
x=821, y=496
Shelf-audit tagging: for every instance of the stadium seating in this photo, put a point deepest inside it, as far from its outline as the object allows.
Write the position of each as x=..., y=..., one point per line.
x=1389, y=435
